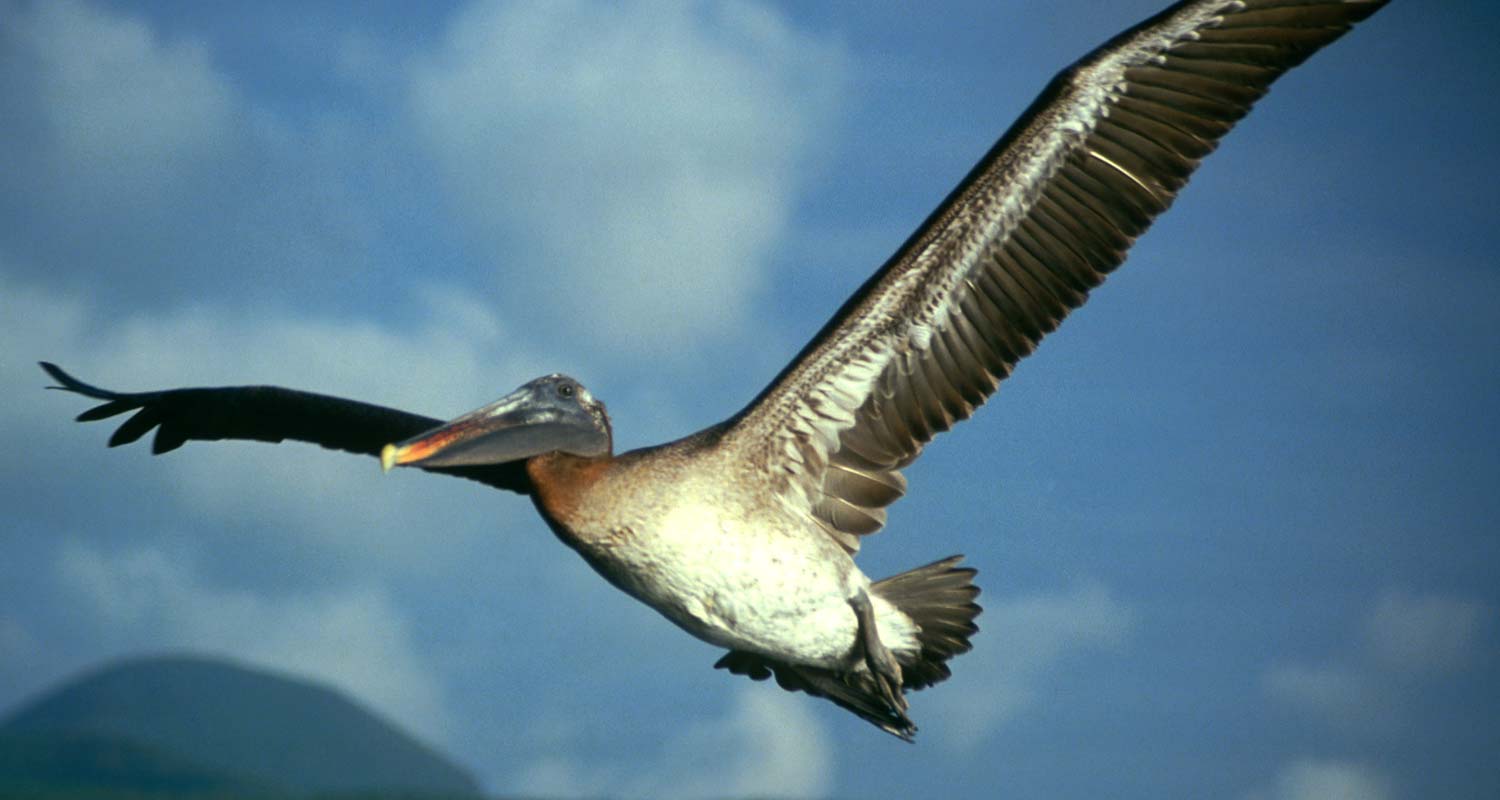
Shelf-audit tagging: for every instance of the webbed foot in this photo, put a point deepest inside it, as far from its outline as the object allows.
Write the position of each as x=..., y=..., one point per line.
x=882, y=663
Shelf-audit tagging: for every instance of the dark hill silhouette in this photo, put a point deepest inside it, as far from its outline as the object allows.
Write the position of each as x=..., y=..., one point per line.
x=91, y=765
x=210, y=720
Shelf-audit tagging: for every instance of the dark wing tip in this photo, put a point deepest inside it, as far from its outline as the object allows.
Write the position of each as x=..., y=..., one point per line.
x=72, y=384
x=146, y=418
x=116, y=403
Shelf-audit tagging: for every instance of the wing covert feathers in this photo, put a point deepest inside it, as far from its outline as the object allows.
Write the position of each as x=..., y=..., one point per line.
x=1049, y=211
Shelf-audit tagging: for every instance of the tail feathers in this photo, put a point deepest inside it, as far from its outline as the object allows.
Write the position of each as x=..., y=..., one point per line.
x=939, y=598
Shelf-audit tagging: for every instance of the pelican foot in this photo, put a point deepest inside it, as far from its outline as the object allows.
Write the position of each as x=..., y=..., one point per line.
x=883, y=665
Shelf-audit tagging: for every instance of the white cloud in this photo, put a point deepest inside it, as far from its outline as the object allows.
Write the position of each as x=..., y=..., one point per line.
x=770, y=744
x=1422, y=633
x=1404, y=635
x=449, y=364
x=152, y=175
x=352, y=637
x=1340, y=695
x=648, y=153
x=1025, y=639
x=1319, y=779
x=778, y=750
x=35, y=324
x=126, y=113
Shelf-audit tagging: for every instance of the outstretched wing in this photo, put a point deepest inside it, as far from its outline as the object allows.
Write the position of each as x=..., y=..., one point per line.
x=1048, y=212
x=268, y=414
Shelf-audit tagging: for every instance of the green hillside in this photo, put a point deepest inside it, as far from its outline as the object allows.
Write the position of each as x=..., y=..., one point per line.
x=205, y=727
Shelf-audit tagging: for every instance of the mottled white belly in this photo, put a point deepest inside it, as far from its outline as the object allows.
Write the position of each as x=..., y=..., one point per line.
x=780, y=590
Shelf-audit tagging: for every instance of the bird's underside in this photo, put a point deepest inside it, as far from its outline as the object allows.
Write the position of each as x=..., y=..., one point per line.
x=1048, y=212
x=938, y=598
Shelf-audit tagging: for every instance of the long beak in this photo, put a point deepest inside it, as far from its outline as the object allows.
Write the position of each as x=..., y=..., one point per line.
x=513, y=428
x=427, y=445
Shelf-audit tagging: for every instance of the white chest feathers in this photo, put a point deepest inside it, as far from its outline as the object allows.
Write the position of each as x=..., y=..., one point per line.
x=762, y=582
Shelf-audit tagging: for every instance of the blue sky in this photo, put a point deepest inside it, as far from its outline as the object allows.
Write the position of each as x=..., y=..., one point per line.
x=1236, y=521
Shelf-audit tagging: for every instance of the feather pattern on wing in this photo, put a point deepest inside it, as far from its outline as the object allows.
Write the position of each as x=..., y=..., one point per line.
x=1048, y=212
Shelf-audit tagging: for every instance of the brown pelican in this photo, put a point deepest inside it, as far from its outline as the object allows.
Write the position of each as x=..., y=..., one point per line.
x=744, y=534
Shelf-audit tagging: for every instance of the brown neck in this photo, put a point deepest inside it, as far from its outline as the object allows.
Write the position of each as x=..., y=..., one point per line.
x=561, y=481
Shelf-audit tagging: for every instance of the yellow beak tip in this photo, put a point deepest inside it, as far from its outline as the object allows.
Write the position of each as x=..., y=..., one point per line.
x=388, y=456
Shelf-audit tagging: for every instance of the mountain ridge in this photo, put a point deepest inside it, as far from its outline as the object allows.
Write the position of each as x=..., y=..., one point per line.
x=213, y=719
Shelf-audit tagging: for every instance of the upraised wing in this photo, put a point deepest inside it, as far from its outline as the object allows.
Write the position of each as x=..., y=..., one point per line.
x=1048, y=212
x=268, y=414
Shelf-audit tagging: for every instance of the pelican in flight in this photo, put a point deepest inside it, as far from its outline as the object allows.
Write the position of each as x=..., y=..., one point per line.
x=744, y=534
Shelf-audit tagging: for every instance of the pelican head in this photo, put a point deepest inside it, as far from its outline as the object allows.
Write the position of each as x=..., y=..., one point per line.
x=550, y=414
